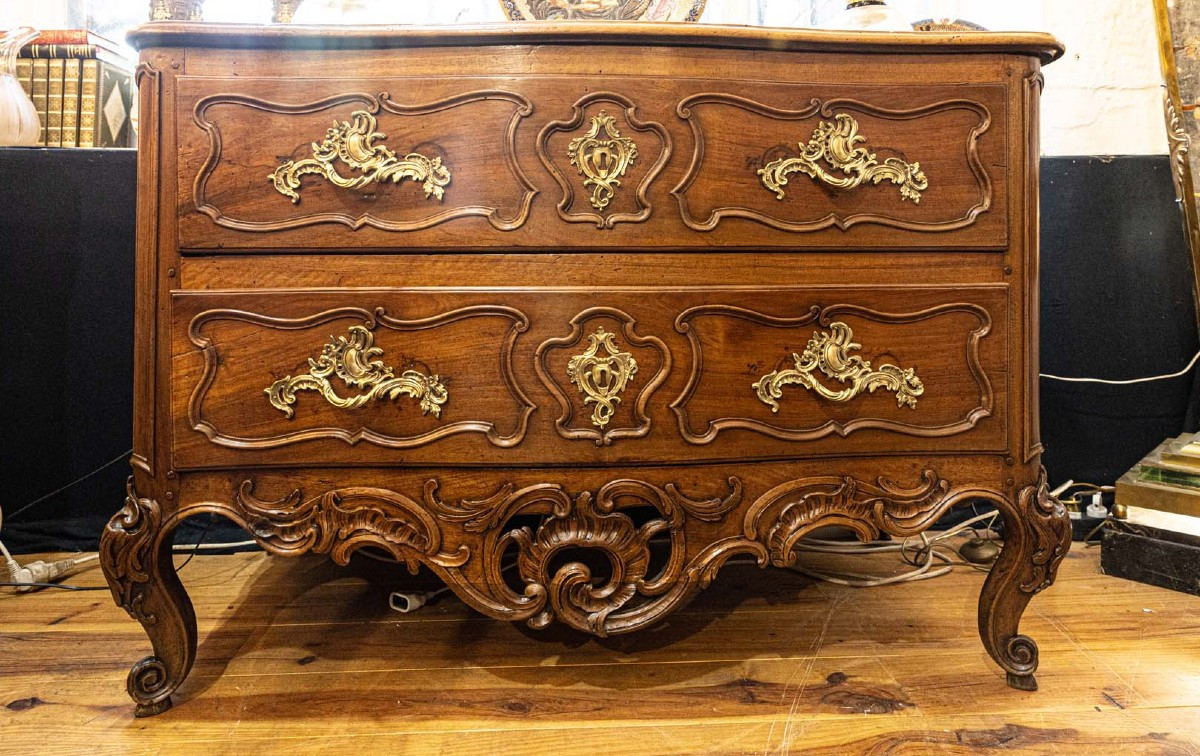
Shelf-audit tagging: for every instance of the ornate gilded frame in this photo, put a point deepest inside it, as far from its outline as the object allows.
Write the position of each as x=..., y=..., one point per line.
x=1179, y=104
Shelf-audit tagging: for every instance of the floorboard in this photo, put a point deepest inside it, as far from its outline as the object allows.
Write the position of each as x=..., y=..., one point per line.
x=300, y=656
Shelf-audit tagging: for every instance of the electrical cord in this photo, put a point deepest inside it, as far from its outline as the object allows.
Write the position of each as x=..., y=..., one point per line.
x=1127, y=382
x=1087, y=539
x=57, y=491
x=1085, y=489
x=1075, y=503
x=218, y=546
x=922, y=558
x=38, y=574
x=59, y=586
x=408, y=601
x=200, y=540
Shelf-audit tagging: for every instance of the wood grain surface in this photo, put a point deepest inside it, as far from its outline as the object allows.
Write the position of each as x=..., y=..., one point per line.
x=298, y=656
x=500, y=353
x=504, y=138
x=396, y=210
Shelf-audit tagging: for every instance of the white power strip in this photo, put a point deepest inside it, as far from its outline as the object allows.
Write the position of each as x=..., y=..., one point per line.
x=29, y=577
x=36, y=574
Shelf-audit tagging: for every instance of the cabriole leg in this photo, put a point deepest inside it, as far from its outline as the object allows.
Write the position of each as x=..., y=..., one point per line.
x=135, y=552
x=1037, y=534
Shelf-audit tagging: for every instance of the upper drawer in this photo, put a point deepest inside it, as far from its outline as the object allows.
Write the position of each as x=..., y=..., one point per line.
x=586, y=376
x=548, y=162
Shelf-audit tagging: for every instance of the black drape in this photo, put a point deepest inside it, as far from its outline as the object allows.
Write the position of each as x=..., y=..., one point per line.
x=1116, y=303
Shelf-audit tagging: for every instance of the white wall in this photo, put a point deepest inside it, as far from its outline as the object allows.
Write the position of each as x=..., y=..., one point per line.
x=1102, y=98
x=40, y=14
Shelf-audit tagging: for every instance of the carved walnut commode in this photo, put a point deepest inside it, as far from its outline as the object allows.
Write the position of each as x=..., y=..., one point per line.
x=545, y=293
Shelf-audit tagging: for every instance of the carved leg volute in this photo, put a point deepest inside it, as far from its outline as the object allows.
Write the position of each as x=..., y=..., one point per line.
x=1037, y=535
x=135, y=553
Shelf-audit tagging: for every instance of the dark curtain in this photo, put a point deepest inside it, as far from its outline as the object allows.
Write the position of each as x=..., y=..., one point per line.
x=1116, y=303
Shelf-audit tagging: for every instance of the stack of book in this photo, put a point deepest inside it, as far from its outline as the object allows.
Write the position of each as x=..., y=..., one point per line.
x=82, y=87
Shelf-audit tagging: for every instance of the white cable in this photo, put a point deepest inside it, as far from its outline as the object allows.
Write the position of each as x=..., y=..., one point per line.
x=1058, y=491
x=46, y=572
x=1128, y=382
x=856, y=580
x=922, y=571
x=29, y=575
x=14, y=567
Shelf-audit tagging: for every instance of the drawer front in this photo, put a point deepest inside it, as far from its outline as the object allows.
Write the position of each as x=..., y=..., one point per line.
x=585, y=376
x=547, y=162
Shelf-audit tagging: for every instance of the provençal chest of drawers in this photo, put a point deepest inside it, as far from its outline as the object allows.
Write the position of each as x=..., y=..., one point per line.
x=545, y=293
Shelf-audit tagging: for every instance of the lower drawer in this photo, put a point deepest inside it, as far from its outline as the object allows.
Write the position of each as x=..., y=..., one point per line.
x=585, y=376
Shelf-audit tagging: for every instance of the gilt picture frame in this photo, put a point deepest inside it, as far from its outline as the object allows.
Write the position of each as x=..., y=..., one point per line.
x=1178, y=28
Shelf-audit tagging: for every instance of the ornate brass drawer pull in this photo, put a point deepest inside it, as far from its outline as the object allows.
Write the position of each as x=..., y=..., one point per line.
x=602, y=162
x=835, y=144
x=351, y=358
x=353, y=143
x=829, y=353
x=602, y=379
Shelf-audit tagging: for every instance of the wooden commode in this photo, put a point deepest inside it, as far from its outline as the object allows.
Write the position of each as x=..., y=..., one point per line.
x=544, y=294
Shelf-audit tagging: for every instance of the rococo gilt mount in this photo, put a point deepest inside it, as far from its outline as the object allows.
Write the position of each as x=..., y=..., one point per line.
x=468, y=304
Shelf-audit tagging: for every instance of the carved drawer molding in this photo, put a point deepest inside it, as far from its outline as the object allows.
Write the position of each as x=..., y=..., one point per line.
x=603, y=355
x=606, y=147
x=363, y=372
x=355, y=155
x=816, y=146
x=828, y=361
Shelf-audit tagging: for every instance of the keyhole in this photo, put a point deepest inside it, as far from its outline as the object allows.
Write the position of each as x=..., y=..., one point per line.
x=602, y=377
x=602, y=158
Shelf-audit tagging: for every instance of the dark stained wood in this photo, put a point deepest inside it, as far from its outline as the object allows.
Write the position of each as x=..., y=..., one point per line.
x=341, y=38
x=1152, y=555
x=470, y=316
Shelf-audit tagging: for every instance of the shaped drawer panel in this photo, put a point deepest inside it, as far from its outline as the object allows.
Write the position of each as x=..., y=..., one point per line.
x=313, y=374
x=910, y=367
x=585, y=376
x=546, y=162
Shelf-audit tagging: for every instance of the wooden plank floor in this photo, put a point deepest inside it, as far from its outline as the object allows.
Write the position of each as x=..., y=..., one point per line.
x=300, y=656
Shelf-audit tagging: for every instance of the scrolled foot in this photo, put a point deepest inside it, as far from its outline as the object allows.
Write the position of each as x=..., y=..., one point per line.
x=135, y=553
x=1019, y=662
x=1020, y=655
x=149, y=685
x=152, y=710
x=1037, y=535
